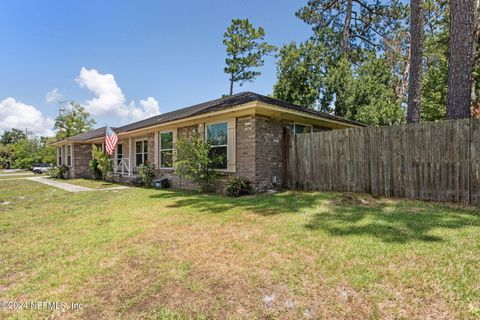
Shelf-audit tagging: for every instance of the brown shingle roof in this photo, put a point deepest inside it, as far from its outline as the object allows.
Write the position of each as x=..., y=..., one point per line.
x=209, y=106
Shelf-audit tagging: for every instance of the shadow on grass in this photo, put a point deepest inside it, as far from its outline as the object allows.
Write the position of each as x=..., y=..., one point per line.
x=397, y=221
x=265, y=204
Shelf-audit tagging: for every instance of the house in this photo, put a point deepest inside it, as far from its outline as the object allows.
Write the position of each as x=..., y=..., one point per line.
x=246, y=128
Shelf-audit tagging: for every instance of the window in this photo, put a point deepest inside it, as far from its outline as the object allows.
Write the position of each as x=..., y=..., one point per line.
x=301, y=128
x=141, y=152
x=59, y=156
x=166, y=149
x=119, y=153
x=69, y=155
x=217, y=135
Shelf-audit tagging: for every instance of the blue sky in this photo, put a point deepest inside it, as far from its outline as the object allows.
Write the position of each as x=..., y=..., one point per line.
x=170, y=51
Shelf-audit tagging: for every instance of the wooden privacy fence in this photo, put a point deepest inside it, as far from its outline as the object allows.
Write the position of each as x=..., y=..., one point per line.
x=437, y=161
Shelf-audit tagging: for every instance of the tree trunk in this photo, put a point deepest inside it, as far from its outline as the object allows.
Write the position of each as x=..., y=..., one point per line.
x=231, y=85
x=476, y=39
x=401, y=88
x=415, y=64
x=460, y=59
x=346, y=27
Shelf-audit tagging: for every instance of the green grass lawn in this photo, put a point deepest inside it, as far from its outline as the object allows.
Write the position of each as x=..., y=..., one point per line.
x=143, y=253
x=11, y=175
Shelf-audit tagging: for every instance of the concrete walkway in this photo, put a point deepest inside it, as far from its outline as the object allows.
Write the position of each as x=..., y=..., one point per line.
x=69, y=187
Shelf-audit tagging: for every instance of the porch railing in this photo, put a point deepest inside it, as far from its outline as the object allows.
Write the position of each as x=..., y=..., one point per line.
x=121, y=166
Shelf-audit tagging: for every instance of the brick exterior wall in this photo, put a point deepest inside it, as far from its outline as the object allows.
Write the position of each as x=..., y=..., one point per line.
x=186, y=132
x=246, y=148
x=259, y=154
x=82, y=154
x=151, y=147
x=269, y=153
x=260, y=151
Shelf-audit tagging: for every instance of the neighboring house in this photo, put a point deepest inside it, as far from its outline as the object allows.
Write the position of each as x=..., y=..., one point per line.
x=246, y=128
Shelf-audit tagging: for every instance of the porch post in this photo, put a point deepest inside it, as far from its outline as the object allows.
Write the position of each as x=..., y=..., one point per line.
x=130, y=156
x=155, y=150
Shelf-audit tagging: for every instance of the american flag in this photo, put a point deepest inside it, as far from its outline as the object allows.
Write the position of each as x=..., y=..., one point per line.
x=111, y=140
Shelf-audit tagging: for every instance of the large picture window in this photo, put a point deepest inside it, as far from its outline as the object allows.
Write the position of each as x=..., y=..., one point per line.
x=166, y=149
x=141, y=152
x=69, y=155
x=217, y=135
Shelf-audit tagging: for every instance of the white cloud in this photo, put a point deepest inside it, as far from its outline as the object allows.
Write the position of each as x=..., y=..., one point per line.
x=109, y=98
x=15, y=114
x=53, y=96
x=149, y=109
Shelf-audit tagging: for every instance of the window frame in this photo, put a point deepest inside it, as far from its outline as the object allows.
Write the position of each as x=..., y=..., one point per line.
x=302, y=124
x=222, y=145
x=59, y=156
x=143, y=153
x=162, y=149
x=69, y=155
x=117, y=159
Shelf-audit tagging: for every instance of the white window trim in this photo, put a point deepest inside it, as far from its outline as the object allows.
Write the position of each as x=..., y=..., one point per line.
x=160, y=149
x=69, y=146
x=302, y=124
x=145, y=140
x=223, y=145
x=59, y=156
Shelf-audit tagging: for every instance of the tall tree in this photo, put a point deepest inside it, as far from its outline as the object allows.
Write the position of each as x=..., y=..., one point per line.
x=460, y=61
x=415, y=65
x=245, y=51
x=349, y=25
x=476, y=64
x=435, y=60
x=336, y=70
x=72, y=120
x=299, y=74
x=12, y=136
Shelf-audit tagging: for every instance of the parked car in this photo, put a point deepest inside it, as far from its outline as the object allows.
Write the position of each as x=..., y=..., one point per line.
x=39, y=168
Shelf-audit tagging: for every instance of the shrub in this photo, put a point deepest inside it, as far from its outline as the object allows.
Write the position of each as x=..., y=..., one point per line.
x=193, y=160
x=93, y=166
x=104, y=163
x=238, y=187
x=58, y=172
x=147, y=173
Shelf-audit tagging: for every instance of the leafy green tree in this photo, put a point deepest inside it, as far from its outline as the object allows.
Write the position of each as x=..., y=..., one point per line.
x=72, y=120
x=245, y=51
x=12, y=136
x=192, y=159
x=7, y=157
x=299, y=74
x=435, y=79
x=27, y=152
x=364, y=93
x=355, y=55
x=103, y=161
x=47, y=153
x=375, y=101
